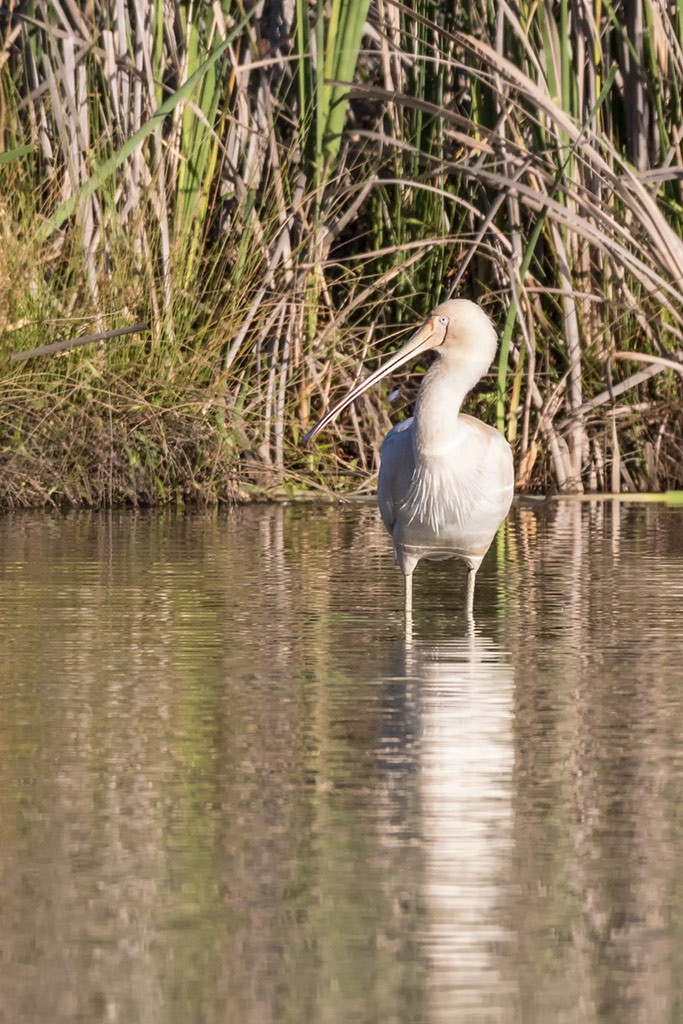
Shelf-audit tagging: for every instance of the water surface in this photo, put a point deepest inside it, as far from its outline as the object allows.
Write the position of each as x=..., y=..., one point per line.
x=235, y=787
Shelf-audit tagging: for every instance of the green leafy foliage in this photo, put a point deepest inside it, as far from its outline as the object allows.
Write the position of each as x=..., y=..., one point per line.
x=279, y=198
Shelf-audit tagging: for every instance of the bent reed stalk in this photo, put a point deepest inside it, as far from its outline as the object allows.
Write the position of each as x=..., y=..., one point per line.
x=278, y=194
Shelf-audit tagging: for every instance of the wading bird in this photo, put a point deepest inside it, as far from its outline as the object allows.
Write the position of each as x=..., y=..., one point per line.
x=446, y=479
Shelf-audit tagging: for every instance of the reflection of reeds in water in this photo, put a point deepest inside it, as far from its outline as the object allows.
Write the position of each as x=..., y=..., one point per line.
x=189, y=719
x=593, y=633
x=229, y=783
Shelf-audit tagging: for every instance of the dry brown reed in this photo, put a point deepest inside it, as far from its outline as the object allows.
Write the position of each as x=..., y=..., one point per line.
x=279, y=193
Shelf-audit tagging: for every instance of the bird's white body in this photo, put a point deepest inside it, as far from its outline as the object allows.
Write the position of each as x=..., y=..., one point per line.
x=450, y=510
x=446, y=479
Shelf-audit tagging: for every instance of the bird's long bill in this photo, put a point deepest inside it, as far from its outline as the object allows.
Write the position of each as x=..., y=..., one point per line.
x=421, y=341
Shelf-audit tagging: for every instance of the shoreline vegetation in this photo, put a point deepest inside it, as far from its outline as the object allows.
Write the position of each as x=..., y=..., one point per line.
x=269, y=199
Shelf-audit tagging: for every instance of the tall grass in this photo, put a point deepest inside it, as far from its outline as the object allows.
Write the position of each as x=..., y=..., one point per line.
x=279, y=192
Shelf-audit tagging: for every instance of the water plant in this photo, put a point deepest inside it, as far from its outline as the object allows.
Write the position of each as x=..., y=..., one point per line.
x=278, y=192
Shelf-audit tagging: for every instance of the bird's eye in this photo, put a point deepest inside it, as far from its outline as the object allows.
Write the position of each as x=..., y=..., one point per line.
x=443, y=320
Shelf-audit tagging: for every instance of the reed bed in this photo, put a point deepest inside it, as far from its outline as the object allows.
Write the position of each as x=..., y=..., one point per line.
x=279, y=192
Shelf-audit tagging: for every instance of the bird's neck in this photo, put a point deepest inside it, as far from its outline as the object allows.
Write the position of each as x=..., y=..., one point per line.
x=443, y=390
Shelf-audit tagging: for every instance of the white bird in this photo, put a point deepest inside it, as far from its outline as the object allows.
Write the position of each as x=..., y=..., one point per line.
x=446, y=479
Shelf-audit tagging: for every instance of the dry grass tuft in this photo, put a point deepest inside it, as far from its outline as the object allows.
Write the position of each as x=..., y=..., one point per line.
x=280, y=197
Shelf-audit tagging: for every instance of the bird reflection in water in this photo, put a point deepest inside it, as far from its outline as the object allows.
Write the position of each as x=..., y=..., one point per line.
x=446, y=746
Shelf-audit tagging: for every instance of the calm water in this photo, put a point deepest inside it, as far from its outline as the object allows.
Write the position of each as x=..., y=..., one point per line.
x=234, y=788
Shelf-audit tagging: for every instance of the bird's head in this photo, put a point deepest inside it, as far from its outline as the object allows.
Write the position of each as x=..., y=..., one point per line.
x=459, y=329
x=460, y=332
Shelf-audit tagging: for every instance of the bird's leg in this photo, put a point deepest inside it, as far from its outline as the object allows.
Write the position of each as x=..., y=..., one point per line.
x=409, y=594
x=471, y=576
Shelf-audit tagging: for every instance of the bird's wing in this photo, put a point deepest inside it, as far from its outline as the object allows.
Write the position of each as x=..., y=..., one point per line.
x=396, y=471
